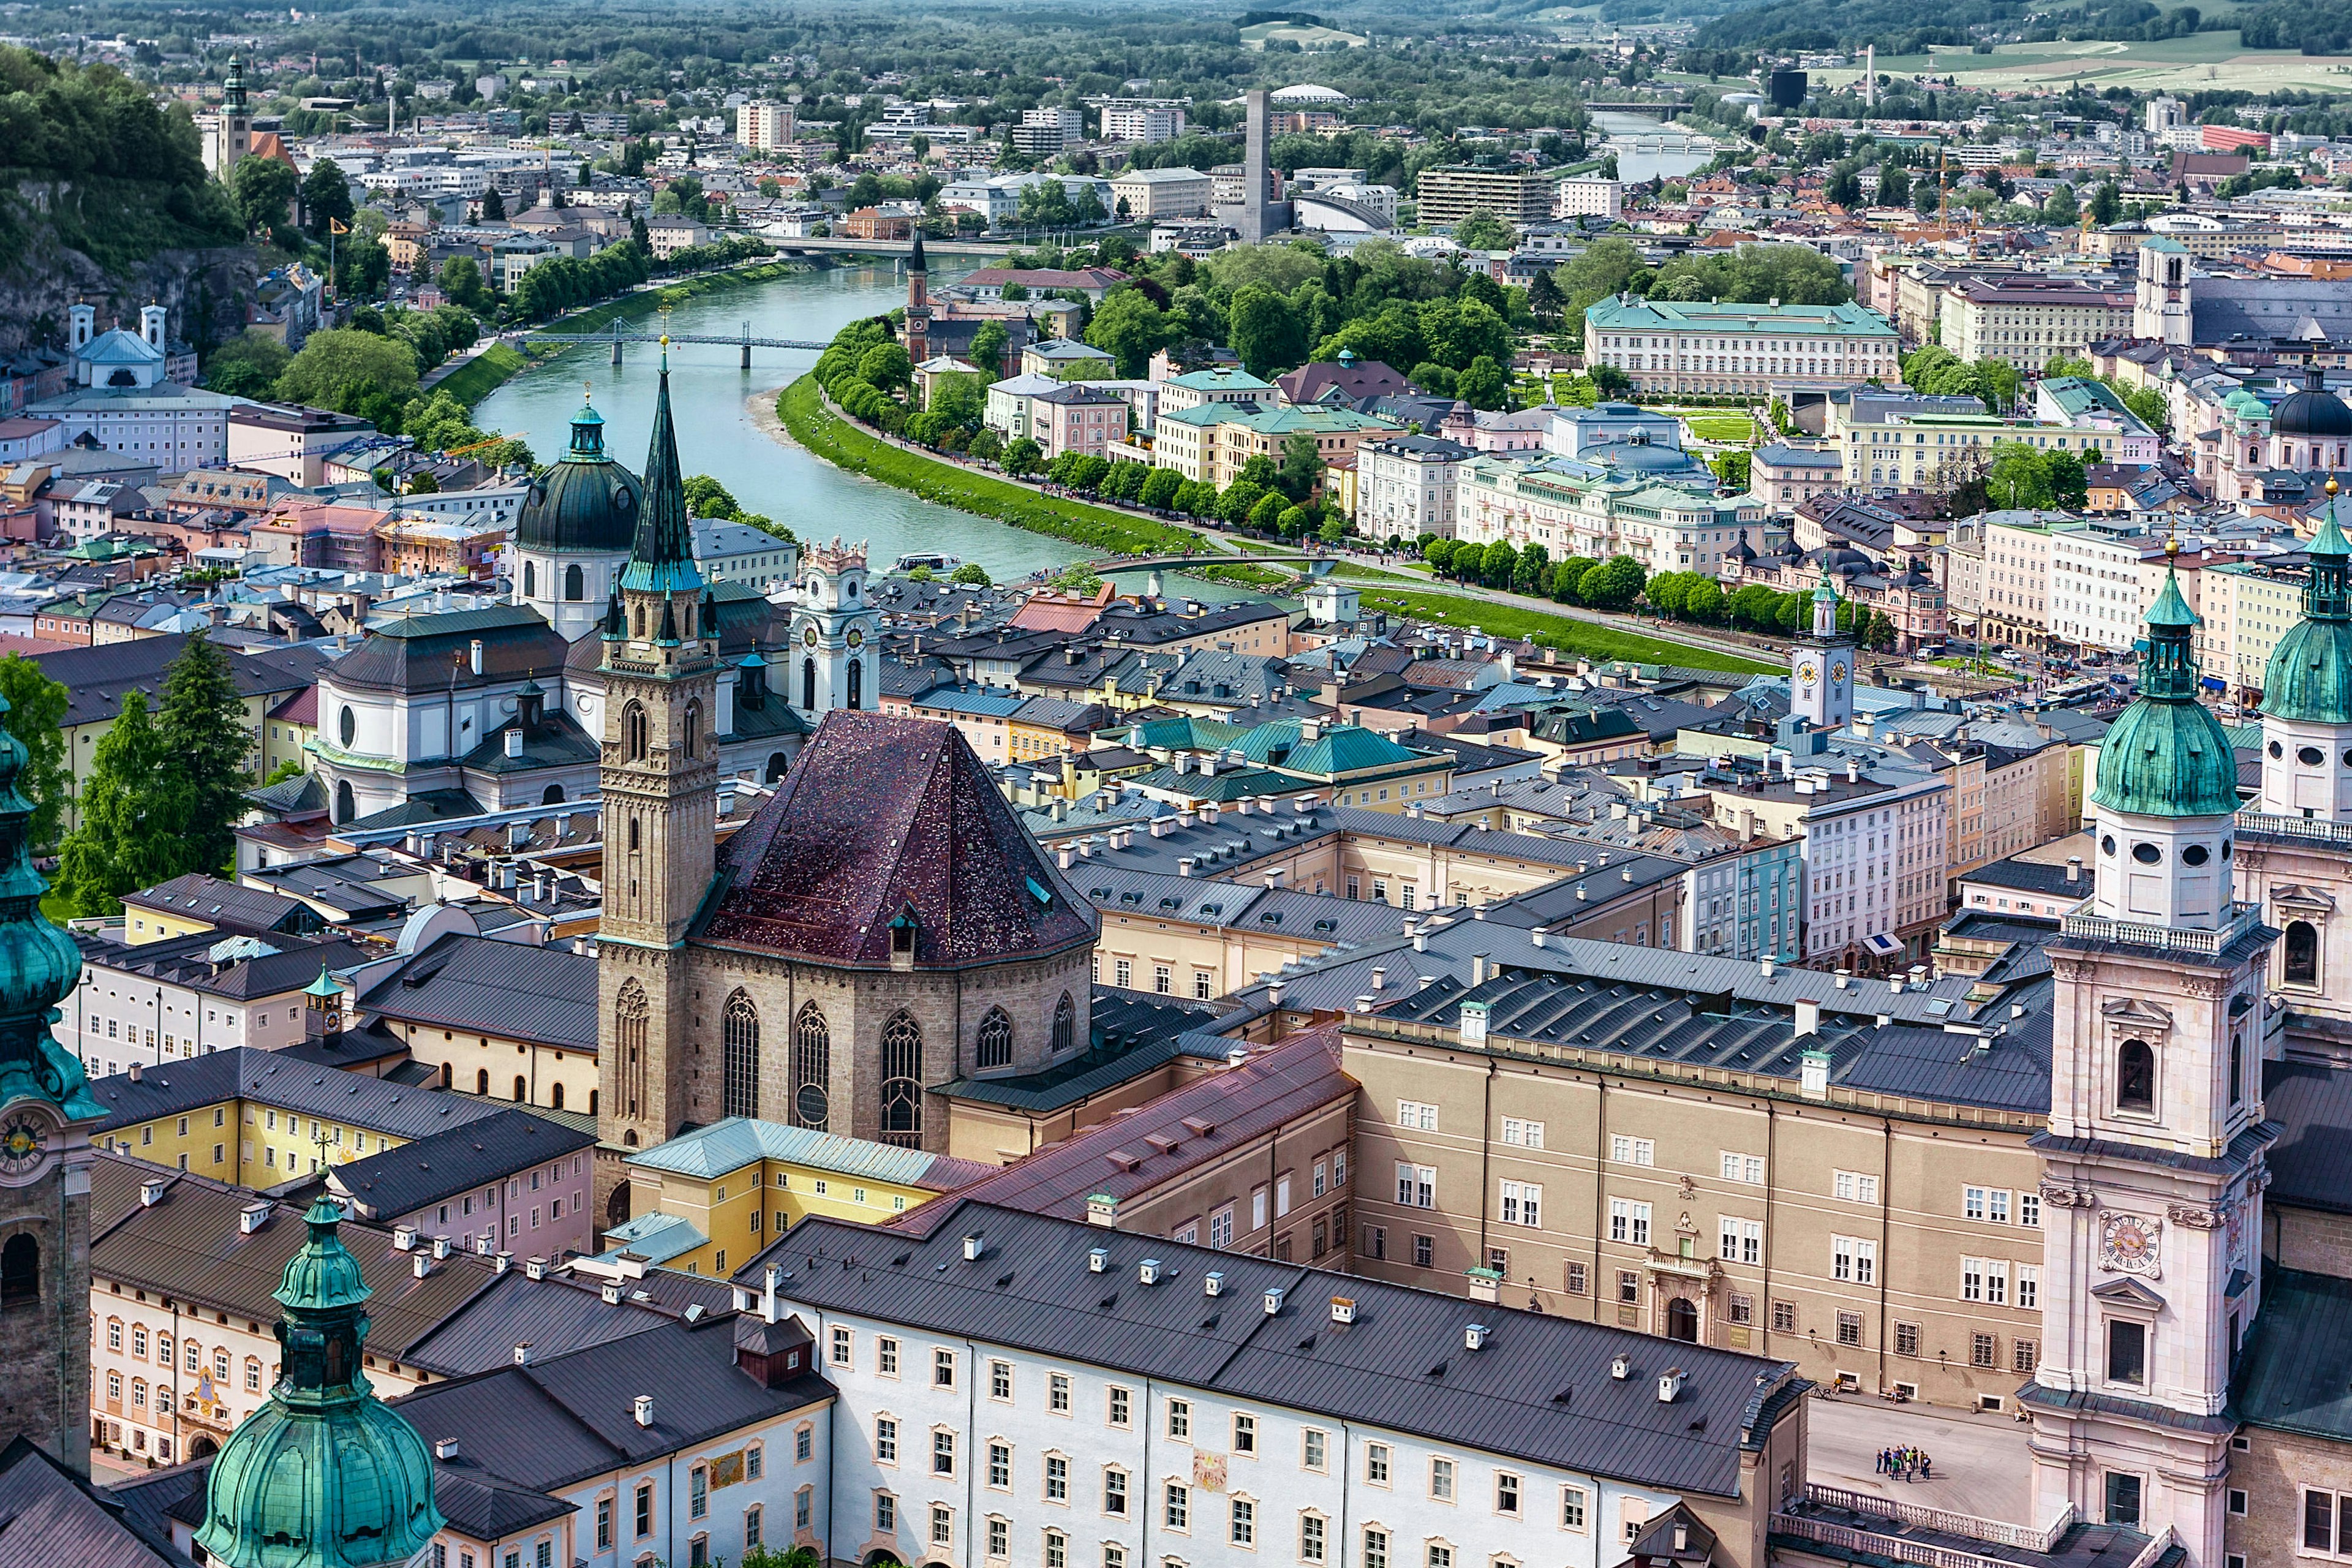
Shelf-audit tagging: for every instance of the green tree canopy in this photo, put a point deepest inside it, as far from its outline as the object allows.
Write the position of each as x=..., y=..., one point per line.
x=130, y=832
x=263, y=188
x=246, y=365
x=37, y=717
x=353, y=373
x=201, y=721
x=326, y=198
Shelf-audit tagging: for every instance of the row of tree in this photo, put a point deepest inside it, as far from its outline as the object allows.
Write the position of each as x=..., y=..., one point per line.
x=1611, y=584
x=1697, y=598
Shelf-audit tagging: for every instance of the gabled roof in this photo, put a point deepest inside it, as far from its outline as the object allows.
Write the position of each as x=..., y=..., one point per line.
x=355, y=1099
x=879, y=817
x=50, y=1516
x=740, y=1141
x=402, y=1181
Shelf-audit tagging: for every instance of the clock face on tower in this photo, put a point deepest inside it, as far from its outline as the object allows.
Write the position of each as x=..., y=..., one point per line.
x=1808, y=672
x=857, y=638
x=1837, y=671
x=808, y=635
x=23, y=1147
x=2128, y=1243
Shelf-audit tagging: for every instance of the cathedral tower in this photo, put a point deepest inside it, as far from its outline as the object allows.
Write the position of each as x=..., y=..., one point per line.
x=919, y=303
x=1820, y=684
x=233, y=136
x=46, y=1112
x=660, y=778
x=2153, y=1166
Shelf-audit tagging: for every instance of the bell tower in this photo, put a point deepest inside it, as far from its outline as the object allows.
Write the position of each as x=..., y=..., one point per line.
x=835, y=635
x=919, y=303
x=233, y=136
x=2153, y=1161
x=659, y=780
x=1820, y=673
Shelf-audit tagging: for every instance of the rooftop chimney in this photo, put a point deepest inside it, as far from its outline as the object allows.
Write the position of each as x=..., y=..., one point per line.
x=644, y=1410
x=522, y=1352
x=445, y=1447
x=151, y=1192
x=252, y=1217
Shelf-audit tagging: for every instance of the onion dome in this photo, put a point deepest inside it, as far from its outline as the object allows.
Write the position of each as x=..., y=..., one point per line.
x=2314, y=411
x=585, y=503
x=2244, y=404
x=39, y=965
x=2309, y=678
x=2166, y=755
x=324, y=1475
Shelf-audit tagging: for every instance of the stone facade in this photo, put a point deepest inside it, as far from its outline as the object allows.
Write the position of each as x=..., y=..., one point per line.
x=45, y=1338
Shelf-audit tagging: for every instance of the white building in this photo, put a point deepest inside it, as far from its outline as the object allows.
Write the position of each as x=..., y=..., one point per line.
x=1045, y=132
x=739, y=552
x=2094, y=585
x=120, y=399
x=764, y=127
x=1141, y=120
x=1405, y=486
x=1014, y=1388
x=1590, y=195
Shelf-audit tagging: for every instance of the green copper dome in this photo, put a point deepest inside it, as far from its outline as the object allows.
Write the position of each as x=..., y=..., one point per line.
x=2309, y=678
x=584, y=503
x=2166, y=754
x=325, y=1475
x=39, y=965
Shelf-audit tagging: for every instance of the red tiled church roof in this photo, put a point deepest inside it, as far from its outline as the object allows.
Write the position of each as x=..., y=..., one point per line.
x=879, y=815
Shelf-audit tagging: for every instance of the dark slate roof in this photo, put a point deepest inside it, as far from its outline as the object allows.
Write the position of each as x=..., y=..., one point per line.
x=50, y=1516
x=2026, y=876
x=879, y=815
x=554, y=1421
x=2296, y=1372
x=433, y=653
x=95, y=678
x=198, y=896
x=479, y=983
x=151, y=1500
x=246, y=1072
x=2311, y=1163
x=1540, y=1390
x=187, y=961
x=403, y=1180
x=1131, y=1033
x=551, y=1316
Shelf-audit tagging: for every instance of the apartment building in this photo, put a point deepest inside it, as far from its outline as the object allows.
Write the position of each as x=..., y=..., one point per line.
x=2250, y=604
x=1873, y=847
x=1449, y=195
x=2016, y=609
x=1405, y=486
x=1155, y=195
x=1141, y=120
x=1700, y=346
x=1669, y=522
x=2029, y=320
x=2094, y=585
x=1588, y=195
x=1903, y=441
x=765, y=127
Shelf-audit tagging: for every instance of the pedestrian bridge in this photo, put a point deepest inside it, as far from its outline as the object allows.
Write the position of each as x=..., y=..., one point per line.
x=619, y=334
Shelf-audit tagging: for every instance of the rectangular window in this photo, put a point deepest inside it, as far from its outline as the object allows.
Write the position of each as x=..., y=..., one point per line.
x=942, y=1525
x=2123, y=1500
x=1057, y=1393
x=943, y=1369
x=1000, y=1380
x=1441, y=1480
x=1414, y=1115
x=1853, y=1259
x=1123, y=973
x=2126, y=1351
x=1742, y=1241
x=1571, y=1508
x=1242, y=1522
x=886, y=1356
x=1855, y=1186
x=1179, y=1418
x=1629, y=1286
x=1000, y=1465
x=999, y=1538
x=1746, y=1169
x=1114, y=1491
x=2029, y=1208
x=1906, y=1338
x=1523, y=1135
x=1574, y=1279
x=1376, y=1549
x=1119, y=1403
x=698, y=1492
x=1416, y=1186
x=1176, y=1506
x=1376, y=1464
x=1221, y=1228
x=1310, y=1537
x=1424, y=1251
x=1849, y=1327
x=1633, y=1151
x=1245, y=1434
x=1507, y=1494
x=2029, y=1286
x=1522, y=1204
x=886, y=1440
x=1313, y=1449
x=2024, y=1356
x=1984, y=1350
x=1629, y=1221
x=1057, y=1479
x=644, y=1501
x=943, y=1453
x=1058, y=1550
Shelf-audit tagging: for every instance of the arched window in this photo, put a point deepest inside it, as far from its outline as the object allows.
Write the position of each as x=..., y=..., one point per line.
x=522, y=1089
x=2135, y=1076
x=629, y=1013
x=448, y=1075
x=552, y=796
x=575, y=583
x=556, y=1097
x=592, y=1102
x=346, y=807
x=529, y=579
x=693, y=730
x=633, y=732
x=996, y=1039
x=633, y=835
x=2237, y=1068
x=808, y=684
x=739, y=1094
x=776, y=766
x=811, y=1069
x=1066, y=1023
x=856, y=685
x=902, y=1086
x=482, y=1081
x=2302, y=953
x=20, y=1271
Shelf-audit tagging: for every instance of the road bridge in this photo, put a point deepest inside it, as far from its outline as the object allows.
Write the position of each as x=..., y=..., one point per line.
x=620, y=334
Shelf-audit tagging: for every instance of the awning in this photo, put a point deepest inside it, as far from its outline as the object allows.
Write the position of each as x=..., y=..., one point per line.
x=2213, y=683
x=1882, y=945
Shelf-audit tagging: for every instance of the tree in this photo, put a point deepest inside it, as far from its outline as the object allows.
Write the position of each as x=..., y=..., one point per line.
x=35, y=716
x=1239, y=497
x=1893, y=186
x=1482, y=230
x=1129, y=328
x=130, y=834
x=2017, y=478
x=1544, y=297
x=248, y=365
x=352, y=372
x=202, y=722
x=1568, y=579
x=988, y=346
x=494, y=206
x=1263, y=331
x=1266, y=513
x=1439, y=553
x=262, y=187
x=886, y=365
x=1614, y=584
x=2060, y=206
x=326, y=198
x=461, y=280
x=1482, y=383
x=1302, y=466
x=971, y=574
x=1703, y=602
x=2065, y=473
x=362, y=268
x=1733, y=468
x=2107, y=204
x=1022, y=455
x=1160, y=488
x=1496, y=563
x=1334, y=529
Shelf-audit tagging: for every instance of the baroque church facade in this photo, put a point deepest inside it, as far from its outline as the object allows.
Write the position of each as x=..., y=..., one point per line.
x=882, y=924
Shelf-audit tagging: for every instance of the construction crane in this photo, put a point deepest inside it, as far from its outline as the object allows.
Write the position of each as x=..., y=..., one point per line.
x=477, y=445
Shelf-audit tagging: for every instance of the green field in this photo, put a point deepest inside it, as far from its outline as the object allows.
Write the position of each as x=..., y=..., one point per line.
x=1561, y=632
x=844, y=445
x=482, y=374
x=1259, y=34
x=2198, y=60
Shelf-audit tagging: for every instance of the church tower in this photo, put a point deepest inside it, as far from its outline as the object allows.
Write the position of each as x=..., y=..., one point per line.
x=919, y=303
x=232, y=136
x=836, y=633
x=659, y=779
x=1820, y=676
x=46, y=1112
x=2153, y=1166
x=2294, y=847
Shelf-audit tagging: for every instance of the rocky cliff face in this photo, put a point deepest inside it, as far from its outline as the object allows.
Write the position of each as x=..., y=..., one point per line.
x=206, y=289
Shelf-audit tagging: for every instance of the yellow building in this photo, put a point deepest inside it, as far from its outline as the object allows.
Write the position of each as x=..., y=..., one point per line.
x=2251, y=606
x=707, y=1200
x=256, y=1117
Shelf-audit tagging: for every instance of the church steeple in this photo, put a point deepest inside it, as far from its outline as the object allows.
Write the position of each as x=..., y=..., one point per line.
x=325, y=1475
x=661, y=557
x=1821, y=675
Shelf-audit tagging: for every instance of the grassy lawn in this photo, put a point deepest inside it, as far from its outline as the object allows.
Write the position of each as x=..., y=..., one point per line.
x=844, y=444
x=1731, y=429
x=482, y=374
x=1555, y=631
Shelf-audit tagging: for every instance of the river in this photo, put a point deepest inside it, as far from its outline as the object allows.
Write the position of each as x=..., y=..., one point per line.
x=710, y=399
x=1648, y=148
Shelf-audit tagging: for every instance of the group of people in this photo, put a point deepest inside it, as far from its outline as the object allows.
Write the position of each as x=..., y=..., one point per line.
x=1911, y=1464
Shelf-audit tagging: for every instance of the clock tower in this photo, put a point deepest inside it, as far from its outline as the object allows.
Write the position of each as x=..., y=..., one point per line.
x=836, y=633
x=1821, y=668
x=2153, y=1160
x=46, y=1112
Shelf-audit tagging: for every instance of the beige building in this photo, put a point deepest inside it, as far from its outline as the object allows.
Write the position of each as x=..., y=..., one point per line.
x=2030, y=320
x=1588, y=195
x=2017, y=579
x=1150, y=196
x=1726, y=347
x=1449, y=195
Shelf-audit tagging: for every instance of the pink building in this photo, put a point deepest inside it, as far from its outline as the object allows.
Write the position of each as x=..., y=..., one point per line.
x=508, y=1182
x=1077, y=417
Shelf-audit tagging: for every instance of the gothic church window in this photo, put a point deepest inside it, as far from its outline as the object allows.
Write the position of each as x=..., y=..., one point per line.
x=693, y=730
x=529, y=579
x=629, y=1017
x=1066, y=1023
x=741, y=1094
x=633, y=732
x=811, y=1069
x=996, y=1039
x=902, y=1086
x=2302, y=953
x=2135, y=1076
